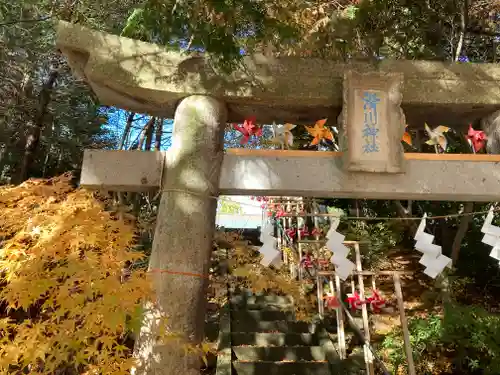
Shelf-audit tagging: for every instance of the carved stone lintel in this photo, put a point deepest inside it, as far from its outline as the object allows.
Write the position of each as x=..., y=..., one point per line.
x=372, y=122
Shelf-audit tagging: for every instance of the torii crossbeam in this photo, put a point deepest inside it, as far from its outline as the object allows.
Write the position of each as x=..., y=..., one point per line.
x=452, y=177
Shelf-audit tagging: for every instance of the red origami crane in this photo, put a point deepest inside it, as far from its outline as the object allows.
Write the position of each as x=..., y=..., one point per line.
x=248, y=129
x=304, y=232
x=280, y=212
x=376, y=301
x=306, y=261
x=331, y=302
x=323, y=263
x=477, y=138
x=315, y=232
x=291, y=232
x=354, y=301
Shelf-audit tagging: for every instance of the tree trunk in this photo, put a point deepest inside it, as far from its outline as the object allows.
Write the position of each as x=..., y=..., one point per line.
x=126, y=131
x=403, y=212
x=145, y=130
x=158, y=133
x=461, y=232
x=149, y=134
x=33, y=139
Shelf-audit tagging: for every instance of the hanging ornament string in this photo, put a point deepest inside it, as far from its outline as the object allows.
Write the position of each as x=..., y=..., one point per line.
x=382, y=218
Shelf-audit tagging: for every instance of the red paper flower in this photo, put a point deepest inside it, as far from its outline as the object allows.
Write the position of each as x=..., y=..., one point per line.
x=248, y=129
x=477, y=138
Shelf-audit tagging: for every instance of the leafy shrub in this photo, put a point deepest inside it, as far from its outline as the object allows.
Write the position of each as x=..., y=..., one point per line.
x=466, y=338
x=380, y=236
x=65, y=300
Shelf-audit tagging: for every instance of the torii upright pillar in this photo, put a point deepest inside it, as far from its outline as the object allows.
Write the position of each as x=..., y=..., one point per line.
x=183, y=237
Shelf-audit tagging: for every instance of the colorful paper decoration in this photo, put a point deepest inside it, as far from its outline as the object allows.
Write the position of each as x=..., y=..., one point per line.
x=434, y=261
x=375, y=301
x=354, y=301
x=491, y=234
x=476, y=138
x=248, y=129
x=304, y=232
x=283, y=134
x=306, y=261
x=319, y=132
x=316, y=232
x=291, y=232
x=343, y=266
x=268, y=249
x=331, y=301
x=437, y=137
x=407, y=137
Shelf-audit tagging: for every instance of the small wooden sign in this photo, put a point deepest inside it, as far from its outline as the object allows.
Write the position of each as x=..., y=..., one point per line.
x=372, y=122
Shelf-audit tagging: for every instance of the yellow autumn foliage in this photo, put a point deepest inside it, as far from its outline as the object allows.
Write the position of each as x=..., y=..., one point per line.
x=245, y=266
x=64, y=300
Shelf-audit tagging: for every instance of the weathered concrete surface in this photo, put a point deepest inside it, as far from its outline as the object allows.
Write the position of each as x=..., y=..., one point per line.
x=146, y=78
x=114, y=170
x=320, y=174
x=184, y=231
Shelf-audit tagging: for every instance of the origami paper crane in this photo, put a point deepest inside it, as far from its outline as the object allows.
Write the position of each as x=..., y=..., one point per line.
x=476, y=138
x=316, y=231
x=248, y=129
x=306, y=261
x=437, y=137
x=283, y=134
x=331, y=302
x=354, y=301
x=291, y=232
x=375, y=301
x=319, y=132
x=407, y=137
x=304, y=232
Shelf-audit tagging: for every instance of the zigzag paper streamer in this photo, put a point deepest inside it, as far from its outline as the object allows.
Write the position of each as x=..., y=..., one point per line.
x=268, y=249
x=491, y=234
x=432, y=258
x=343, y=266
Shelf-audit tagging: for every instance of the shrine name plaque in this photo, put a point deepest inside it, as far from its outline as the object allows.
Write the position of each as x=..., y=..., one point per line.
x=372, y=122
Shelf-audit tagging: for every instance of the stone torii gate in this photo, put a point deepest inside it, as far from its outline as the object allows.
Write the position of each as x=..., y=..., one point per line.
x=145, y=78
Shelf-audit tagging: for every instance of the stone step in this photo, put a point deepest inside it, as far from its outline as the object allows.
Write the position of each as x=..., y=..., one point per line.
x=261, y=306
x=282, y=368
x=279, y=353
x=266, y=326
x=272, y=339
x=261, y=315
x=261, y=299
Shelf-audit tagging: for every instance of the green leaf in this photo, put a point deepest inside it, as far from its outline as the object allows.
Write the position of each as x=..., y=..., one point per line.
x=133, y=22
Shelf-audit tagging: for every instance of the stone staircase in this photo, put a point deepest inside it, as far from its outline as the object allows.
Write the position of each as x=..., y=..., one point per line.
x=261, y=336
